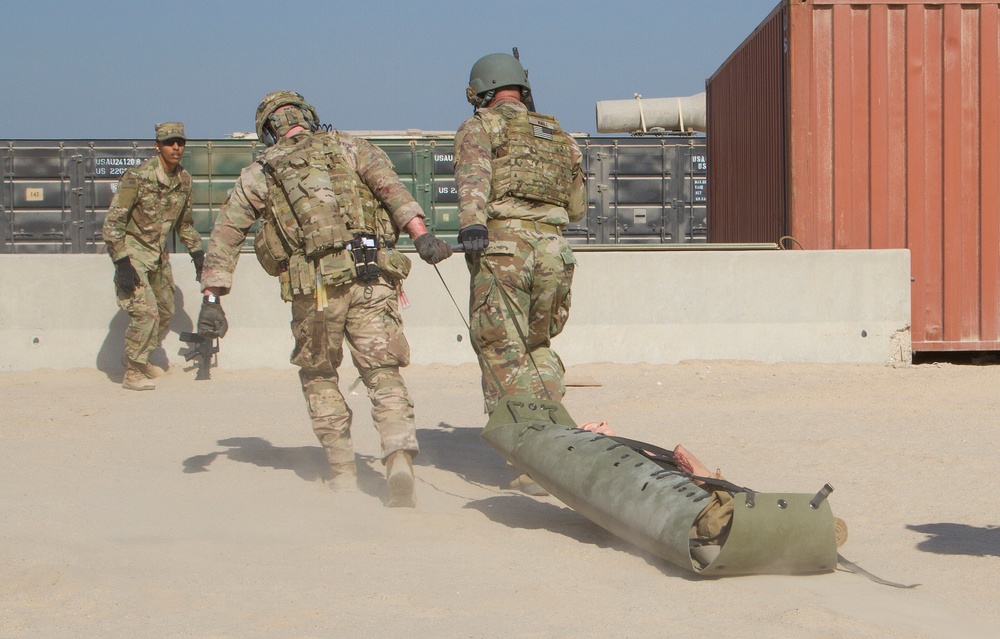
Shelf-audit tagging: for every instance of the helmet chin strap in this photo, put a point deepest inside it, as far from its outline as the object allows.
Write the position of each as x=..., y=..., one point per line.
x=484, y=98
x=480, y=100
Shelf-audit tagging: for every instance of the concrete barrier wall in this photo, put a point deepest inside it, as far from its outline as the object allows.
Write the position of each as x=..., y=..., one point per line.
x=59, y=311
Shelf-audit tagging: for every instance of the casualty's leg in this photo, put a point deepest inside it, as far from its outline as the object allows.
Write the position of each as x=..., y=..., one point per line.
x=690, y=464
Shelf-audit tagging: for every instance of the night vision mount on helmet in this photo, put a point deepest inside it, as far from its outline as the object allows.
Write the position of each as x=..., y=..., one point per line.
x=272, y=125
x=493, y=72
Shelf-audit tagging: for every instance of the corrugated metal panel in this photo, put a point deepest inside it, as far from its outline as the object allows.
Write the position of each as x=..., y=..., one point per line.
x=746, y=104
x=893, y=136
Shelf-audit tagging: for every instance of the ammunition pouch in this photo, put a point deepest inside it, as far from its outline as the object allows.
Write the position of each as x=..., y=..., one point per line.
x=394, y=264
x=336, y=268
x=364, y=253
x=270, y=250
x=332, y=269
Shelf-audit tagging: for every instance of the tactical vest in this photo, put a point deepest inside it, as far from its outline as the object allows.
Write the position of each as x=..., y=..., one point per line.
x=316, y=204
x=531, y=157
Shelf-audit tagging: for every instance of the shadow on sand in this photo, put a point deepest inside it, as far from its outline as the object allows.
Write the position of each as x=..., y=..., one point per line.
x=959, y=539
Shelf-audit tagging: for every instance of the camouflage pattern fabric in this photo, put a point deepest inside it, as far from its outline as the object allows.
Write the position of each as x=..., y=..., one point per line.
x=148, y=205
x=533, y=266
x=535, y=270
x=367, y=315
x=537, y=159
x=474, y=155
x=150, y=309
x=170, y=130
x=247, y=201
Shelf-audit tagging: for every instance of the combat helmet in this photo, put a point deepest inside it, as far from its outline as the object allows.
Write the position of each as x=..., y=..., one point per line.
x=272, y=126
x=492, y=72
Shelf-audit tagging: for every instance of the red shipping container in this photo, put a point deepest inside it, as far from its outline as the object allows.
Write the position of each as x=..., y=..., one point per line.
x=852, y=125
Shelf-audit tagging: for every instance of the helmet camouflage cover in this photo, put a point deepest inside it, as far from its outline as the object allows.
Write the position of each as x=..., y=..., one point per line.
x=492, y=72
x=270, y=127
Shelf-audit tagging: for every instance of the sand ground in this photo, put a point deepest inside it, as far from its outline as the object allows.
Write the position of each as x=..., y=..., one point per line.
x=198, y=510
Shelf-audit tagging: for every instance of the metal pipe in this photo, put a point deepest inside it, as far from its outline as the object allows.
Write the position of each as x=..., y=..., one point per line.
x=656, y=114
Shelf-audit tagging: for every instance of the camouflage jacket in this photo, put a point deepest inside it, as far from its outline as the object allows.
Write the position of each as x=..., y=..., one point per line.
x=147, y=206
x=474, y=153
x=245, y=205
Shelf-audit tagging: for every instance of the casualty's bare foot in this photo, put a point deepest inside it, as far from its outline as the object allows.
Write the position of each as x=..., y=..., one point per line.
x=690, y=464
x=598, y=427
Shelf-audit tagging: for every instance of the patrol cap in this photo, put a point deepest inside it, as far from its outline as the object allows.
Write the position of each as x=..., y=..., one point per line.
x=169, y=130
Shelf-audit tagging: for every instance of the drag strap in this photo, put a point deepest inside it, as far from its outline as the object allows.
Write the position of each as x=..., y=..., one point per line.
x=663, y=456
x=649, y=450
x=850, y=566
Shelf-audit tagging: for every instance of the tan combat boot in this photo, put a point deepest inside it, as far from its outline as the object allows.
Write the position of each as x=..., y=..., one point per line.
x=148, y=370
x=136, y=380
x=345, y=477
x=399, y=478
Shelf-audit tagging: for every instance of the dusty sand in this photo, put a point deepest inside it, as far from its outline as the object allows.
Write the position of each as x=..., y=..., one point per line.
x=197, y=510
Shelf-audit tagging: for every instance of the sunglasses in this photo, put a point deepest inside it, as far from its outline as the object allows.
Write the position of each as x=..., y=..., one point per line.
x=173, y=141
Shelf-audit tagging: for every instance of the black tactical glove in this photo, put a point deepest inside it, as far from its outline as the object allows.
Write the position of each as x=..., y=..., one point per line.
x=212, y=319
x=198, y=257
x=431, y=249
x=126, y=279
x=474, y=238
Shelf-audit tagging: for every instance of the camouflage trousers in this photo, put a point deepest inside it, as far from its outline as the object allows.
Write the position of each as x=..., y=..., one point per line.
x=367, y=315
x=519, y=301
x=150, y=309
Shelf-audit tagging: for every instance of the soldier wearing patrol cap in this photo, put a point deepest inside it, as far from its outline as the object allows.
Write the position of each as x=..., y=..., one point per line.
x=152, y=201
x=332, y=208
x=519, y=181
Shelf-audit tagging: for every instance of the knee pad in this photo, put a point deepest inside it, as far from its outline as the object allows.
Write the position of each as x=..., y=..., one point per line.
x=383, y=378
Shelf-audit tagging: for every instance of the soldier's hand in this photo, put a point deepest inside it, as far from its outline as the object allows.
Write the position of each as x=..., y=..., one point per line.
x=212, y=319
x=126, y=278
x=474, y=238
x=198, y=257
x=431, y=249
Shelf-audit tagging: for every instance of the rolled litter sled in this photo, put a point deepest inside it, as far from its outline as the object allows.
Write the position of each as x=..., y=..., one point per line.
x=653, y=505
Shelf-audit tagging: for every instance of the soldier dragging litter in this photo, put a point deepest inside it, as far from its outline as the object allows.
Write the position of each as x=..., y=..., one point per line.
x=152, y=201
x=520, y=182
x=332, y=208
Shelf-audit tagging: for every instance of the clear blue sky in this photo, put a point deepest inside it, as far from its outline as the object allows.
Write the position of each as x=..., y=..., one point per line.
x=111, y=69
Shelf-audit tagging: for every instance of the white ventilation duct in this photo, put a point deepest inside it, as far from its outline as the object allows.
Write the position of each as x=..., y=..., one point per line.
x=656, y=114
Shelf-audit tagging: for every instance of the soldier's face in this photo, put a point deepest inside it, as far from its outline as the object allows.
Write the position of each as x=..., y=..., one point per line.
x=170, y=151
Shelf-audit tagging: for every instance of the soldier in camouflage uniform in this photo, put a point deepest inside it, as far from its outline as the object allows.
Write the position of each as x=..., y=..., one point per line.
x=152, y=201
x=332, y=208
x=519, y=181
